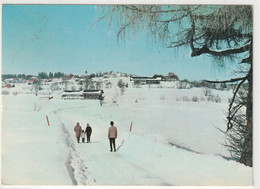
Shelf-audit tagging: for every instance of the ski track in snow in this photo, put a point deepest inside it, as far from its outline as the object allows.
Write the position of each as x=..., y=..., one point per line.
x=147, y=173
x=183, y=147
x=75, y=165
x=193, y=151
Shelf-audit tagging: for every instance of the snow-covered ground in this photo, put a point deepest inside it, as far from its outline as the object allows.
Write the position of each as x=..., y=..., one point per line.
x=174, y=141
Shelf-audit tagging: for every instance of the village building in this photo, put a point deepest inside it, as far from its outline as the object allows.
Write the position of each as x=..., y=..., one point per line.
x=81, y=95
x=47, y=82
x=91, y=94
x=58, y=81
x=72, y=95
x=110, y=74
x=9, y=86
x=171, y=77
x=119, y=74
x=31, y=81
x=219, y=86
x=145, y=80
x=9, y=80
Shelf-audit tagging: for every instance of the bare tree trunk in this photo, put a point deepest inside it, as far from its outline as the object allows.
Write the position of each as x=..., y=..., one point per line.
x=247, y=152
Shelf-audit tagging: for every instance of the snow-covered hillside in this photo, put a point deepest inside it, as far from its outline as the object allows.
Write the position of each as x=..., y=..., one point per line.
x=175, y=139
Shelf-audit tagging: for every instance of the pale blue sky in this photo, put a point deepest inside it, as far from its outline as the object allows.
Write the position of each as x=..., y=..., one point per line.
x=52, y=38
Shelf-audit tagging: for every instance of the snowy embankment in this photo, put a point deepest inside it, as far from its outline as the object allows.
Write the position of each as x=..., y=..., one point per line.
x=172, y=142
x=32, y=152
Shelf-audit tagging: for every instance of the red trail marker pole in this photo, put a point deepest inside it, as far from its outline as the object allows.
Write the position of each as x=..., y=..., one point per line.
x=131, y=127
x=47, y=120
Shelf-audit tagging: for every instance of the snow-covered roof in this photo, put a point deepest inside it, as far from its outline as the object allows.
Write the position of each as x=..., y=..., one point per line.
x=91, y=91
x=146, y=78
x=73, y=93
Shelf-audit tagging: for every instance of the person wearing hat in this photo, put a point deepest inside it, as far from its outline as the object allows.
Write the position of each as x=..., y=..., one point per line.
x=88, y=131
x=77, y=129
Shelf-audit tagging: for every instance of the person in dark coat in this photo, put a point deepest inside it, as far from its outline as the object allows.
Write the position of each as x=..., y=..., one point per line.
x=100, y=97
x=112, y=135
x=88, y=132
x=77, y=129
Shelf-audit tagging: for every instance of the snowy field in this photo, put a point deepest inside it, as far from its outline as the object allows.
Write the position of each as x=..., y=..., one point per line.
x=173, y=142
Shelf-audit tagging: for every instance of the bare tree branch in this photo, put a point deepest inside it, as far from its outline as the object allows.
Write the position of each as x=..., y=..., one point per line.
x=206, y=50
x=125, y=26
x=247, y=60
x=138, y=9
x=228, y=81
x=229, y=124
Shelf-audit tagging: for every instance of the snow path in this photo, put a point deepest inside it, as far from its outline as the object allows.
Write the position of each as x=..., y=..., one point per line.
x=78, y=168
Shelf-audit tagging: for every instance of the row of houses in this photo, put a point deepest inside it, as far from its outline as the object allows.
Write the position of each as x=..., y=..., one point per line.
x=28, y=81
x=137, y=80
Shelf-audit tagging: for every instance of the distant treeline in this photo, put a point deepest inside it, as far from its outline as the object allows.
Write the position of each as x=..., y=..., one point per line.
x=11, y=76
x=41, y=75
x=44, y=75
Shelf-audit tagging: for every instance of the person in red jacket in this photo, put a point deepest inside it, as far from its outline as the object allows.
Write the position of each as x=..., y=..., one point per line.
x=77, y=129
x=112, y=135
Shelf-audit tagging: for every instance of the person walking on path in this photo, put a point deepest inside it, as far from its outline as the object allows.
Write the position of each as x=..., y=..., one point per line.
x=88, y=131
x=112, y=135
x=101, y=97
x=77, y=129
x=83, y=136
